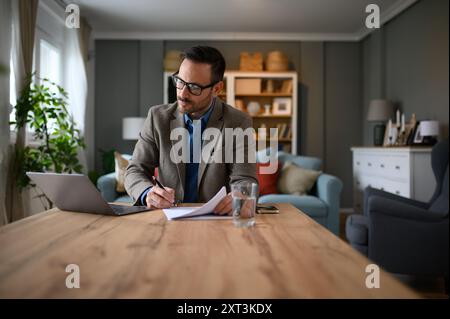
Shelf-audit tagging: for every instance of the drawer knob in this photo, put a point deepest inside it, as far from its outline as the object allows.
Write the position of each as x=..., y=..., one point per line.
x=369, y=164
x=357, y=163
x=382, y=165
x=397, y=192
x=397, y=167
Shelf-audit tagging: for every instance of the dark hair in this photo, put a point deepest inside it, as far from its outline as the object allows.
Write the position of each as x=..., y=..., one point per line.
x=208, y=55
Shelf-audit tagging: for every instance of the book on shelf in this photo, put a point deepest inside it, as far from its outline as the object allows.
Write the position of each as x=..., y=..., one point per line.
x=281, y=130
x=289, y=132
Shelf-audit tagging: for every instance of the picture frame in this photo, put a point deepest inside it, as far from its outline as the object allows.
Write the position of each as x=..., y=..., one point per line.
x=282, y=106
x=409, y=128
x=418, y=138
x=390, y=136
x=386, y=136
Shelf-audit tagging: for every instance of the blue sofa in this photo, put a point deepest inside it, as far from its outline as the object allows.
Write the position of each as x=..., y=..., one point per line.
x=322, y=204
x=106, y=184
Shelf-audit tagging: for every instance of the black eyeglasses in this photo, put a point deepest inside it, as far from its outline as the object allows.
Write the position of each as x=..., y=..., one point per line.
x=193, y=88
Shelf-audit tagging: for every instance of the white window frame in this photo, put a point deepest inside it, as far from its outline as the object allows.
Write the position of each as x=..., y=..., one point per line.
x=41, y=35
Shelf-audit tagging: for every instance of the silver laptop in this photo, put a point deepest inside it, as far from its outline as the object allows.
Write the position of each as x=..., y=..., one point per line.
x=75, y=192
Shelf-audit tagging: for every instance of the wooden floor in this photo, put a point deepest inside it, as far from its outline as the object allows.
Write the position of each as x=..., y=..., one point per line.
x=428, y=288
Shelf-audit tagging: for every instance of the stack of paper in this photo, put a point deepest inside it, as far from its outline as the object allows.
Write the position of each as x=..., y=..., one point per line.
x=203, y=212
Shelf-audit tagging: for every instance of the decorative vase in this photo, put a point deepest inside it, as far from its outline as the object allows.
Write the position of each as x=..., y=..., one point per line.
x=253, y=108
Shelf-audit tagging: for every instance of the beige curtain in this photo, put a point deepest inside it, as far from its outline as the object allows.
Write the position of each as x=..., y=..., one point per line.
x=24, y=13
x=84, y=36
x=5, y=51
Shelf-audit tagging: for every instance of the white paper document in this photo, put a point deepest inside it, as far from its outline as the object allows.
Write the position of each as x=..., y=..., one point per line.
x=203, y=212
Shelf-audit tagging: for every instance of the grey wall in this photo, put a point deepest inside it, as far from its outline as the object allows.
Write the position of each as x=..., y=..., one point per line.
x=407, y=61
x=128, y=80
x=342, y=111
x=312, y=99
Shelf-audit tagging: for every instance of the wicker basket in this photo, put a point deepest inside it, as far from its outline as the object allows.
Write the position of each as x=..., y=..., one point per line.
x=251, y=61
x=277, y=61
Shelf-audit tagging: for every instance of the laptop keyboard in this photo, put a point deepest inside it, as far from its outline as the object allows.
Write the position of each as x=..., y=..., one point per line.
x=119, y=209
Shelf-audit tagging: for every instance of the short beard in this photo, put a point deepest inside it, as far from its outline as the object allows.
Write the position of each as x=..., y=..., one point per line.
x=196, y=106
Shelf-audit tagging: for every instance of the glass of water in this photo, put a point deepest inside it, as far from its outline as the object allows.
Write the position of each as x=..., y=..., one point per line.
x=244, y=196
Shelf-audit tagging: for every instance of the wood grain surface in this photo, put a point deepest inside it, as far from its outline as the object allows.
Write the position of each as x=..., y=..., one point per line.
x=146, y=256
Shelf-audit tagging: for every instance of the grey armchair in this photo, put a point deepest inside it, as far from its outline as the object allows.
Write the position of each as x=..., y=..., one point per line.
x=402, y=235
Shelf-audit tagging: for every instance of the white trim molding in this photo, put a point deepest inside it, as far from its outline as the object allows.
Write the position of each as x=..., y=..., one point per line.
x=226, y=36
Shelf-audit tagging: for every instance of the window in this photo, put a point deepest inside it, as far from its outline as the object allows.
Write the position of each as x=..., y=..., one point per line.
x=49, y=66
x=49, y=62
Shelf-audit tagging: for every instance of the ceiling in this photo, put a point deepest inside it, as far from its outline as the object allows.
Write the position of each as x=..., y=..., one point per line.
x=234, y=19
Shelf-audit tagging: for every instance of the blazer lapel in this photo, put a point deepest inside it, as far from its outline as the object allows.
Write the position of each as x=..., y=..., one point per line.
x=178, y=122
x=215, y=121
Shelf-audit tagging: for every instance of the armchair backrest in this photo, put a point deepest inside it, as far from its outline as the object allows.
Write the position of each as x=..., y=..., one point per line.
x=439, y=163
x=307, y=162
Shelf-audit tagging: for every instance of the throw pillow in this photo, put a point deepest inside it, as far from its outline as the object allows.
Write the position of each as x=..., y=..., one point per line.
x=267, y=182
x=296, y=180
x=121, y=164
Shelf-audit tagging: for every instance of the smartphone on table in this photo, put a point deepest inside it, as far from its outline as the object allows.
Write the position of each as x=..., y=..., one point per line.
x=267, y=209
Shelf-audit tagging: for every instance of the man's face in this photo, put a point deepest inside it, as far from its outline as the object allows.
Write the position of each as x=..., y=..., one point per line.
x=198, y=73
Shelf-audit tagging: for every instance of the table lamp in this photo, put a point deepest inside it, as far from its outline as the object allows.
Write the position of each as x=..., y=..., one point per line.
x=131, y=127
x=429, y=130
x=379, y=111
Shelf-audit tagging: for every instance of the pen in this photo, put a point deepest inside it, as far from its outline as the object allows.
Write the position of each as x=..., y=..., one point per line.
x=156, y=182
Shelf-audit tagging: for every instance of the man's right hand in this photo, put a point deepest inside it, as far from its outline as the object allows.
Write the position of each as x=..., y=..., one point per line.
x=158, y=198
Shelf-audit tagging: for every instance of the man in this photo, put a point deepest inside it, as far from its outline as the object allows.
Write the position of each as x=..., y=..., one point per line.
x=198, y=82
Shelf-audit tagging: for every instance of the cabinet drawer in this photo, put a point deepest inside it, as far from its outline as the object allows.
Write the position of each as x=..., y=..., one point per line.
x=398, y=188
x=365, y=163
x=394, y=167
x=364, y=181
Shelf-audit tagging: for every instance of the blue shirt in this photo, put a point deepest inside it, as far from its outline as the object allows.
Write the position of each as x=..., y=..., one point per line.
x=191, y=180
x=190, y=184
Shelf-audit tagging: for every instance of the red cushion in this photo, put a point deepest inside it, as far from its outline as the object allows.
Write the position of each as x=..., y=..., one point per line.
x=267, y=182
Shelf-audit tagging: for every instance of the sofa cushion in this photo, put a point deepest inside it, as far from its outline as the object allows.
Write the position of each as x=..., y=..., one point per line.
x=124, y=199
x=310, y=205
x=121, y=164
x=267, y=182
x=296, y=180
x=308, y=162
x=357, y=229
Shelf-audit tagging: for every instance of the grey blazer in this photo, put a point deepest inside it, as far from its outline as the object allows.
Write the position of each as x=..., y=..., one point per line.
x=154, y=146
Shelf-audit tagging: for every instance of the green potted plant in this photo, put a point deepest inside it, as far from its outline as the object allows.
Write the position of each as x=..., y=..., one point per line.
x=43, y=106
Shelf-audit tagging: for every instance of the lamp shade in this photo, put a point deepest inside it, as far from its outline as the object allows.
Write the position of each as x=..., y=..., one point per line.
x=429, y=128
x=131, y=127
x=379, y=110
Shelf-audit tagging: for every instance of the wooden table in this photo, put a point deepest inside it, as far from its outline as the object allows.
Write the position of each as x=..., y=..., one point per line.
x=145, y=256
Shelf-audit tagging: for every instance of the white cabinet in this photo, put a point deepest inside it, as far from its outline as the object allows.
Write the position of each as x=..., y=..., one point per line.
x=405, y=171
x=263, y=88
